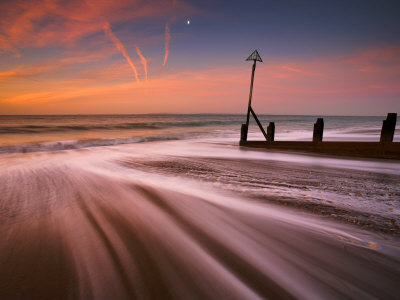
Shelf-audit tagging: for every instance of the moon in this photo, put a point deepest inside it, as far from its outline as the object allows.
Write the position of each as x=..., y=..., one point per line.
x=188, y=22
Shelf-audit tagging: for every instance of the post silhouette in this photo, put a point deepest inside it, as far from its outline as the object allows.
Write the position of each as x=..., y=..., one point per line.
x=318, y=130
x=245, y=127
x=251, y=93
x=388, y=128
x=271, y=132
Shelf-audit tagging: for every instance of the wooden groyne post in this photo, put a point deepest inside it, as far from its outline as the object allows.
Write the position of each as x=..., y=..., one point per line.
x=388, y=128
x=271, y=132
x=318, y=130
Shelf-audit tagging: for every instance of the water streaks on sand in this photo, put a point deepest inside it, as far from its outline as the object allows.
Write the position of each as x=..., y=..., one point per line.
x=370, y=199
x=75, y=226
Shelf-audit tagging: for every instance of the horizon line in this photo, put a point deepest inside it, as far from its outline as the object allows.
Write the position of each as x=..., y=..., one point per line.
x=158, y=113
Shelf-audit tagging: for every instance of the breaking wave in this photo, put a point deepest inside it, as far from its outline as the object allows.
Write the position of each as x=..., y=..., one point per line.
x=118, y=126
x=79, y=144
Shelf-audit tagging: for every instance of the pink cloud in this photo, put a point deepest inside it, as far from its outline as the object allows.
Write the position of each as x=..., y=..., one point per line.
x=50, y=66
x=167, y=39
x=382, y=59
x=300, y=71
x=121, y=48
x=143, y=61
x=52, y=22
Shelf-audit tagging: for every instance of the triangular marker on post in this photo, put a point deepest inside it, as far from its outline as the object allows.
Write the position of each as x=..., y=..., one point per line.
x=245, y=127
x=255, y=56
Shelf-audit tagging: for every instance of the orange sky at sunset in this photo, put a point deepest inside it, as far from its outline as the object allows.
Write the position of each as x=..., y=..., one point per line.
x=80, y=57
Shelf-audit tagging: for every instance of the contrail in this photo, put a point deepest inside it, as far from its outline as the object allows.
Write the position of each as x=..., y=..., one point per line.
x=143, y=60
x=167, y=38
x=121, y=48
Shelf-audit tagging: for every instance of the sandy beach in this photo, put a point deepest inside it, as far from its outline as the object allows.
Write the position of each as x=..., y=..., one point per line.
x=200, y=221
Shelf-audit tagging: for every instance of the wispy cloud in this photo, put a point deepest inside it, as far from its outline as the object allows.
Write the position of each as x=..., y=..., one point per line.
x=143, y=61
x=376, y=60
x=167, y=39
x=296, y=70
x=46, y=69
x=121, y=48
x=41, y=23
x=9, y=74
x=27, y=72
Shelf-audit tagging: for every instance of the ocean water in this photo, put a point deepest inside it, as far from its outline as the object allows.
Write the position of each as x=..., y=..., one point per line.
x=170, y=207
x=39, y=133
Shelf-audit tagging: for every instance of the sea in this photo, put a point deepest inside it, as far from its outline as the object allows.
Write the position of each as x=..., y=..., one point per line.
x=165, y=206
x=56, y=132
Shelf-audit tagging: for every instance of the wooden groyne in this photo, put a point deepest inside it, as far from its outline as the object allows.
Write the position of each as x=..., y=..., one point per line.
x=385, y=148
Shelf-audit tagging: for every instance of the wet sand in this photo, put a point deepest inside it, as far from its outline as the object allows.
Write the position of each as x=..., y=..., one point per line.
x=103, y=224
x=309, y=188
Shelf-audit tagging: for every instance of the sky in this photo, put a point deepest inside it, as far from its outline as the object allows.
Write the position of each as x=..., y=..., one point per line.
x=177, y=56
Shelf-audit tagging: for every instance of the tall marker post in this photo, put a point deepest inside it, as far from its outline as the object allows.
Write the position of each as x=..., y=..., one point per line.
x=245, y=127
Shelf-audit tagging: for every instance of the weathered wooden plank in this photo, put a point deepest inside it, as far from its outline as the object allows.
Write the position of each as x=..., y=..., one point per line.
x=360, y=149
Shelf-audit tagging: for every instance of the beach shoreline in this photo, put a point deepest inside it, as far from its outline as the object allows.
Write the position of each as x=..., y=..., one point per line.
x=178, y=219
